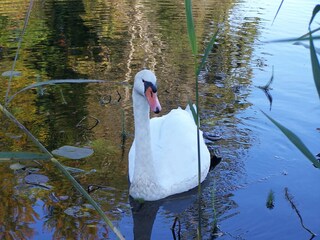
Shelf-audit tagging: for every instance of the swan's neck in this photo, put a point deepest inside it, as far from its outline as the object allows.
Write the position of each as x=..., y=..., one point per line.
x=143, y=154
x=144, y=184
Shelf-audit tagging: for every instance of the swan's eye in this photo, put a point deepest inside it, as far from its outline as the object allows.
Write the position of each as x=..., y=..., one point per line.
x=149, y=85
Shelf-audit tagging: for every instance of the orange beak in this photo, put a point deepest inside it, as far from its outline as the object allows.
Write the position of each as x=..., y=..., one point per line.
x=153, y=100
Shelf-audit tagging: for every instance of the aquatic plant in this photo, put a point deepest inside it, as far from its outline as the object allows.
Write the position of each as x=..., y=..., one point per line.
x=270, y=200
x=289, y=197
x=195, y=111
x=45, y=155
x=298, y=143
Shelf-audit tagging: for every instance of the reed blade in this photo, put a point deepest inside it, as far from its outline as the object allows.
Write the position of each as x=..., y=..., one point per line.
x=194, y=112
x=206, y=53
x=308, y=33
x=314, y=13
x=295, y=140
x=313, y=54
x=191, y=28
x=277, y=12
x=53, y=82
x=315, y=65
x=295, y=39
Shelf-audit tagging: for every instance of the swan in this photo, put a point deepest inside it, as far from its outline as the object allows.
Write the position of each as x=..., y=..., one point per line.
x=163, y=158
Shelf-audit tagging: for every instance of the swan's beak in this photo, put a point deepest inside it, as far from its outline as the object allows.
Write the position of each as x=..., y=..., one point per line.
x=153, y=100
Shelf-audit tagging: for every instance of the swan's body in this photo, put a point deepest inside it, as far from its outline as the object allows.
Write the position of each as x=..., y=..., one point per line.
x=163, y=159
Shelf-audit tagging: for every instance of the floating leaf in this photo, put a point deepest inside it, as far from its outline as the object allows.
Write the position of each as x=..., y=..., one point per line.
x=9, y=73
x=22, y=156
x=76, y=211
x=13, y=136
x=73, y=152
x=63, y=198
x=74, y=170
x=64, y=171
x=36, y=178
x=17, y=166
x=295, y=140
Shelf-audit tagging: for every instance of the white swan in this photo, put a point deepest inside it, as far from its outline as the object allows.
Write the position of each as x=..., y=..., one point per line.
x=163, y=159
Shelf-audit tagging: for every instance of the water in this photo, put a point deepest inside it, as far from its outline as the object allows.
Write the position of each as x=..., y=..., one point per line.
x=112, y=41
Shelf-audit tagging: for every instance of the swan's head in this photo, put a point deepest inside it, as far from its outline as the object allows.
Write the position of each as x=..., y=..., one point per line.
x=145, y=84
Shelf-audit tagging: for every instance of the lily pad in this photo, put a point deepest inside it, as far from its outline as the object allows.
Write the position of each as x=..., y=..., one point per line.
x=17, y=166
x=36, y=178
x=76, y=211
x=9, y=73
x=73, y=152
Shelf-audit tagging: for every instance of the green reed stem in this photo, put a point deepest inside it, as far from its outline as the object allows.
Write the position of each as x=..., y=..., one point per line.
x=199, y=159
x=194, y=48
x=63, y=170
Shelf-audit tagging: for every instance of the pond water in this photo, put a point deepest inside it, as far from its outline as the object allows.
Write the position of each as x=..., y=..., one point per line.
x=112, y=40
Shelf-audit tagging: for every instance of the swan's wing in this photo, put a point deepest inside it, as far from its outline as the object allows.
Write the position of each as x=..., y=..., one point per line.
x=131, y=158
x=174, y=146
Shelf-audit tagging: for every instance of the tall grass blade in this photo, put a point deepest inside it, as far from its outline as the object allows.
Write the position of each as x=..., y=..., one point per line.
x=206, y=53
x=194, y=112
x=193, y=43
x=18, y=48
x=313, y=54
x=292, y=39
x=64, y=171
x=295, y=140
x=277, y=12
x=314, y=13
x=190, y=27
x=308, y=33
x=53, y=82
x=22, y=156
x=315, y=65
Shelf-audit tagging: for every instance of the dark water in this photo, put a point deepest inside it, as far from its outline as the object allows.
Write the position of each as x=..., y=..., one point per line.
x=112, y=40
